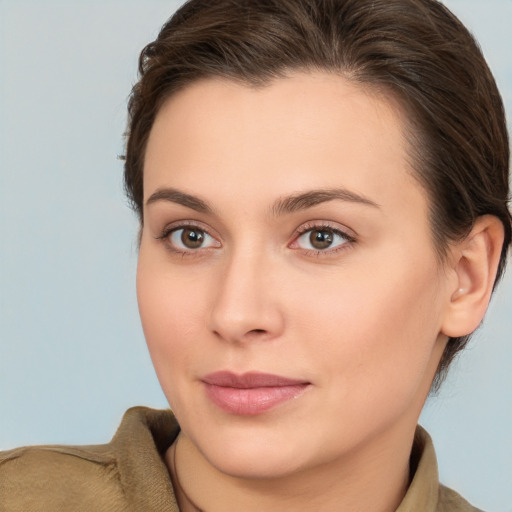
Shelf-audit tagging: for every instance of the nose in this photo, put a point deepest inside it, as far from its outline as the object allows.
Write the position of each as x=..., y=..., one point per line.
x=245, y=306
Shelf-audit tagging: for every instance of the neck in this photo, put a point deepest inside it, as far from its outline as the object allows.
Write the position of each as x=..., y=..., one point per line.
x=373, y=479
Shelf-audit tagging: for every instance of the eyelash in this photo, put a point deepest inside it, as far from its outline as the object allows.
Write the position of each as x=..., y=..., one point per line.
x=323, y=226
x=310, y=226
x=169, y=230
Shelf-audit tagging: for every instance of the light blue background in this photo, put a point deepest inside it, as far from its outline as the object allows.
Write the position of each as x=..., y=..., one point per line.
x=72, y=354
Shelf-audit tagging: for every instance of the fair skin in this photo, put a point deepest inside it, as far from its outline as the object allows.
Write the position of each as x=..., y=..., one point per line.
x=341, y=292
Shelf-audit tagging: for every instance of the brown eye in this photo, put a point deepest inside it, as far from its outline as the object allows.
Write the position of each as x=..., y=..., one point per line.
x=192, y=238
x=321, y=239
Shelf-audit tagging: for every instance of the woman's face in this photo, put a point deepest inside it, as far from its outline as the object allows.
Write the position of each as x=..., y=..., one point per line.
x=287, y=282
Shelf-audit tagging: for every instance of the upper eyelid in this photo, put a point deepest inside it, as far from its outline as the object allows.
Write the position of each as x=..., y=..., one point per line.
x=181, y=224
x=334, y=226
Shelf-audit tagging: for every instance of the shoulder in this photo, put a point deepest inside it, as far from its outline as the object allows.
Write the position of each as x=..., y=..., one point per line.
x=59, y=478
x=126, y=474
x=425, y=493
x=451, y=501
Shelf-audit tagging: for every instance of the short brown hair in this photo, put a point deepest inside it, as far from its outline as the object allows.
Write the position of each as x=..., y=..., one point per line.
x=417, y=50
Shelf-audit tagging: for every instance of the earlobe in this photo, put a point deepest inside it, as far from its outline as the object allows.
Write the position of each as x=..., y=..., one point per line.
x=474, y=262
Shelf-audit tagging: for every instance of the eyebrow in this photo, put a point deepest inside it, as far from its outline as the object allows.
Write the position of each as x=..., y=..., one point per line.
x=289, y=204
x=311, y=198
x=176, y=196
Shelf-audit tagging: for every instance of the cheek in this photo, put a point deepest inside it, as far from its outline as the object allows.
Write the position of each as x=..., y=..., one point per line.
x=373, y=335
x=172, y=316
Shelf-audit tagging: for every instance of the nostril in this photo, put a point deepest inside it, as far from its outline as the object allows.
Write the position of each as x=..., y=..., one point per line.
x=257, y=331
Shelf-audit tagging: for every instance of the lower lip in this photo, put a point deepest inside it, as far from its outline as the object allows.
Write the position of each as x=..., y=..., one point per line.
x=252, y=401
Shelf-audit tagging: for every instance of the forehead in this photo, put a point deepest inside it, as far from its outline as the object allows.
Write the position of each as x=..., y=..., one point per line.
x=304, y=131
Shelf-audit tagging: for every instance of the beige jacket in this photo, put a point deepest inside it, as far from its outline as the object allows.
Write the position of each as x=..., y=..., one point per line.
x=129, y=473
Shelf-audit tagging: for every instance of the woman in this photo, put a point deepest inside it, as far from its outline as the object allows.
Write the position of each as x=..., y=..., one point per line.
x=323, y=221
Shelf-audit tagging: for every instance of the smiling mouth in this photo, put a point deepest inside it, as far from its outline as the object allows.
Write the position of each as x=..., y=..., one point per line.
x=251, y=393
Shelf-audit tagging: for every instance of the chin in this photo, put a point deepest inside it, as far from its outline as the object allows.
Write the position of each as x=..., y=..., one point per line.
x=255, y=467
x=253, y=455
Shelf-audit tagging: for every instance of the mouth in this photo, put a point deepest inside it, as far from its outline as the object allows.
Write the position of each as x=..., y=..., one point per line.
x=251, y=393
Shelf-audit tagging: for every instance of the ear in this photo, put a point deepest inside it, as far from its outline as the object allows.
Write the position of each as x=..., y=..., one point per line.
x=474, y=263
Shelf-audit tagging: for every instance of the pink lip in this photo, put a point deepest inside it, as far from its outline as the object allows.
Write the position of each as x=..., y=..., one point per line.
x=251, y=393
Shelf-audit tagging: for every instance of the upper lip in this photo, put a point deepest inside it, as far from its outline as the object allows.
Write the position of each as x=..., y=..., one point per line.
x=249, y=380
